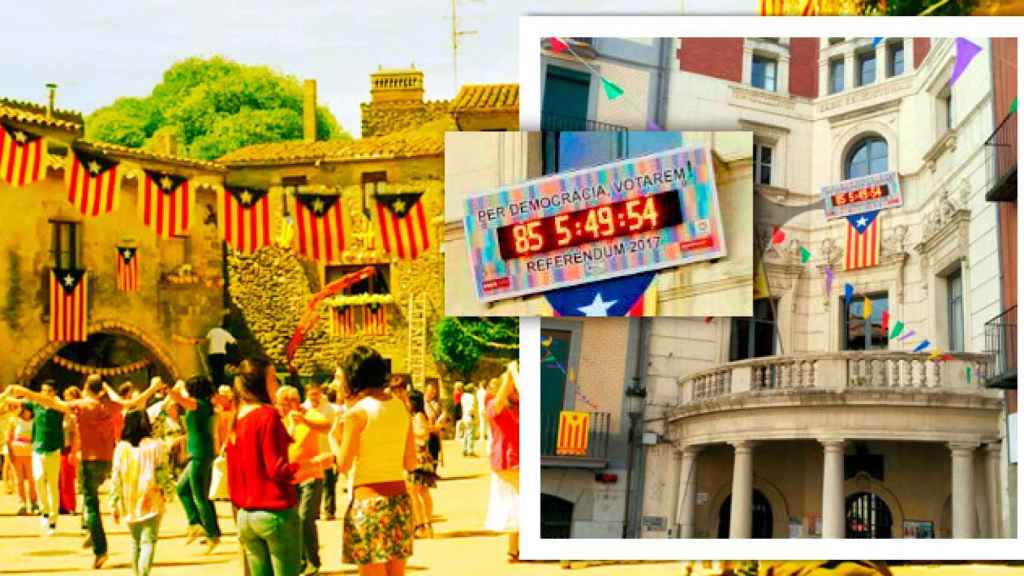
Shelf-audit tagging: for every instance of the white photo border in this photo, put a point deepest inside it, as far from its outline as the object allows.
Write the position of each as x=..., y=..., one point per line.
x=532, y=29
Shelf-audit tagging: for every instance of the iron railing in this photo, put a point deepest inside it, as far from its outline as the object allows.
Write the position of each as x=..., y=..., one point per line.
x=560, y=123
x=1001, y=344
x=597, y=437
x=1001, y=155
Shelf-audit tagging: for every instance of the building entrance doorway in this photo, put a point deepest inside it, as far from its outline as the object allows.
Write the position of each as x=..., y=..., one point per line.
x=555, y=517
x=867, y=516
x=761, y=524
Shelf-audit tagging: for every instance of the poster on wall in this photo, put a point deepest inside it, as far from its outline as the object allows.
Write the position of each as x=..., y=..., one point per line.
x=861, y=195
x=608, y=221
x=918, y=529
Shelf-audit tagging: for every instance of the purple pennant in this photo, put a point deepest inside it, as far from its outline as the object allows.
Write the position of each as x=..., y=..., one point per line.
x=907, y=336
x=965, y=53
x=828, y=280
x=652, y=126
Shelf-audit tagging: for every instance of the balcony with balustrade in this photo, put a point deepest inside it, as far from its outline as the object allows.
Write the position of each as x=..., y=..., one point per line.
x=593, y=453
x=883, y=395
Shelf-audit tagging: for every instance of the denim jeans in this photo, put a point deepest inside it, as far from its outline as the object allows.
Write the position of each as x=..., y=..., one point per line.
x=144, y=535
x=271, y=541
x=310, y=493
x=330, y=491
x=194, y=493
x=94, y=473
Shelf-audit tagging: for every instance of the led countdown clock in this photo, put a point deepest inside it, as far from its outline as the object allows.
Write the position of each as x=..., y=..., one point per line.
x=860, y=195
x=603, y=222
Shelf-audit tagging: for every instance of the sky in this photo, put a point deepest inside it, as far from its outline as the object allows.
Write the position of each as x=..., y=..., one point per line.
x=99, y=51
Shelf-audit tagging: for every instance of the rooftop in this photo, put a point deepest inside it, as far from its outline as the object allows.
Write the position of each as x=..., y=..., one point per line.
x=487, y=98
x=125, y=152
x=32, y=113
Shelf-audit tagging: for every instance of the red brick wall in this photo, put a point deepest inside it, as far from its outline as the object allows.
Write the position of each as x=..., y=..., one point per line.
x=715, y=57
x=803, y=67
x=921, y=47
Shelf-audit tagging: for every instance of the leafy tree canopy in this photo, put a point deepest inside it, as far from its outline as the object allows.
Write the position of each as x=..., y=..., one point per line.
x=460, y=343
x=919, y=7
x=212, y=106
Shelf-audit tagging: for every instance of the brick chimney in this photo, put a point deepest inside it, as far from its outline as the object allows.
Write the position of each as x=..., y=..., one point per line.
x=52, y=88
x=397, y=86
x=309, y=110
x=165, y=143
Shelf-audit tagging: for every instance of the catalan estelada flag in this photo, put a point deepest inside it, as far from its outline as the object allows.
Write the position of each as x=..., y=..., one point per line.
x=320, y=225
x=165, y=203
x=127, y=269
x=798, y=8
x=404, y=230
x=93, y=182
x=573, y=432
x=245, y=218
x=862, y=240
x=343, y=321
x=375, y=319
x=22, y=156
x=69, y=316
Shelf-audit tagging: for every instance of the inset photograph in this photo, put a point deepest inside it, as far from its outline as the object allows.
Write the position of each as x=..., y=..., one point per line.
x=611, y=223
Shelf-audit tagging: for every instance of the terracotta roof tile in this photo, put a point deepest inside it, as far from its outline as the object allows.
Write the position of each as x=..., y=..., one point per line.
x=140, y=154
x=32, y=113
x=487, y=98
x=425, y=140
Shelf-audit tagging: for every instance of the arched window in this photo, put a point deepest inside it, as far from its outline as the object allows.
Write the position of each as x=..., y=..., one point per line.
x=869, y=156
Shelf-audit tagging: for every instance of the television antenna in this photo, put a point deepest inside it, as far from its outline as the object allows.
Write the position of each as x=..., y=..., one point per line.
x=456, y=35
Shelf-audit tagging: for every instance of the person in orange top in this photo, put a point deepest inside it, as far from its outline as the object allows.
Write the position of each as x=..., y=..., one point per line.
x=305, y=428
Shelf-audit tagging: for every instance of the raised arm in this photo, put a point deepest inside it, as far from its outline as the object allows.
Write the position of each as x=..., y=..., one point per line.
x=50, y=402
x=185, y=402
x=508, y=386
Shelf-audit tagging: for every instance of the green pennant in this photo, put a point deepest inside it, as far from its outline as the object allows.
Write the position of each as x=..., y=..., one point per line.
x=896, y=330
x=968, y=374
x=1013, y=106
x=611, y=89
x=805, y=255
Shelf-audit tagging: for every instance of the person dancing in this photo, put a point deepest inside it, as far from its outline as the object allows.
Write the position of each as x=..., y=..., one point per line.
x=194, y=484
x=503, y=412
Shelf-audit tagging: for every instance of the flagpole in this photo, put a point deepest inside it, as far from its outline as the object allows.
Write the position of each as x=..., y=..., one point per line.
x=771, y=301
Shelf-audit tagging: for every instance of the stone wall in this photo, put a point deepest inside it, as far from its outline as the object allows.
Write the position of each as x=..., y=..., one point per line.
x=380, y=118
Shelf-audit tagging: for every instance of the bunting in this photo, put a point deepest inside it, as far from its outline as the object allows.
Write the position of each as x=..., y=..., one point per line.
x=320, y=224
x=22, y=156
x=375, y=319
x=93, y=183
x=165, y=204
x=68, y=305
x=245, y=222
x=127, y=269
x=402, y=223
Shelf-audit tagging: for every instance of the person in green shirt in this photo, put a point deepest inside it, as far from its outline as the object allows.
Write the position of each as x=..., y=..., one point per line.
x=194, y=484
x=47, y=442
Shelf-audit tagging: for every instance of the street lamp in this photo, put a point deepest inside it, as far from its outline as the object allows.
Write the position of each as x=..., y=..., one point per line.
x=635, y=394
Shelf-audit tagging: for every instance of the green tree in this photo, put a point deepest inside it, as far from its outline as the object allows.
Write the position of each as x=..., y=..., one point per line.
x=212, y=106
x=918, y=7
x=460, y=343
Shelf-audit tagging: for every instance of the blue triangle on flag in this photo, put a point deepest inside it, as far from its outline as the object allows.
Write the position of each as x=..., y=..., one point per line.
x=861, y=221
x=613, y=297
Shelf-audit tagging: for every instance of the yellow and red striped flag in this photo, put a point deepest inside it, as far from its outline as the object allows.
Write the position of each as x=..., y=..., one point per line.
x=375, y=320
x=343, y=322
x=165, y=204
x=402, y=222
x=127, y=269
x=862, y=240
x=93, y=183
x=245, y=221
x=778, y=8
x=69, y=315
x=573, y=432
x=319, y=220
x=22, y=156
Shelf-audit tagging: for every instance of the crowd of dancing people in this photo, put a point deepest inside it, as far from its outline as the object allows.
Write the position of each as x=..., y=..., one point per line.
x=277, y=452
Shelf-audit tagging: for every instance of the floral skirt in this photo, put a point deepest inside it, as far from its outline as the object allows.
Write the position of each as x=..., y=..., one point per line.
x=424, y=474
x=377, y=529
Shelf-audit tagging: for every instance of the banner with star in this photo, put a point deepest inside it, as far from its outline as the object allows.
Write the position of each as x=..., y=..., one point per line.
x=22, y=156
x=343, y=322
x=127, y=269
x=93, y=182
x=862, y=241
x=375, y=319
x=319, y=222
x=245, y=221
x=165, y=203
x=69, y=315
x=404, y=231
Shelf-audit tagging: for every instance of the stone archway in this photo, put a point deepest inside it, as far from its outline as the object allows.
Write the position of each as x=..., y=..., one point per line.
x=774, y=497
x=109, y=327
x=864, y=483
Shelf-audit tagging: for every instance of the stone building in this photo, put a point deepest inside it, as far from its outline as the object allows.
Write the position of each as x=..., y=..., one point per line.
x=179, y=285
x=808, y=420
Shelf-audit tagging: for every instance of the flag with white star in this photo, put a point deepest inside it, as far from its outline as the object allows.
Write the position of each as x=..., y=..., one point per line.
x=375, y=319
x=165, y=204
x=402, y=222
x=127, y=268
x=343, y=322
x=68, y=305
x=634, y=295
x=93, y=182
x=862, y=240
x=320, y=227
x=245, y=218
x=22, y=156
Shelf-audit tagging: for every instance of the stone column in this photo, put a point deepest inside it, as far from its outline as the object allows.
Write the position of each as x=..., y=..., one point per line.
x=687, y=505
x=741, y=512
x=833, y=494
x=964, y=515
x=993, y=454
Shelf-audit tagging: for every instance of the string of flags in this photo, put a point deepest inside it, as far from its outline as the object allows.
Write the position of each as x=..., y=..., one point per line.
x=612, y=91
x=549, y=359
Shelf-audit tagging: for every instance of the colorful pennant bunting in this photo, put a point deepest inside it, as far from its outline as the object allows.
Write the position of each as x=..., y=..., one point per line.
x=805, y=255
x=557, y=46
x=907, y=336
x=965, y=53
x=127, y=268
x=867, y=308
x=896, y=329
x=778, y=236
x=611, y=89
x=922, y=346
x=828, y=280
x=848, y=293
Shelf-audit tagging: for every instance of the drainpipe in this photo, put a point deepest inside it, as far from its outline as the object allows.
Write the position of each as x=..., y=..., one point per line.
x=635, y=398
x=661, y=83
